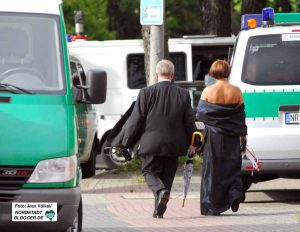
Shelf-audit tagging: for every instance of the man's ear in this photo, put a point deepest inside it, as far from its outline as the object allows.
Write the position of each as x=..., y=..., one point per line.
x=172, y=76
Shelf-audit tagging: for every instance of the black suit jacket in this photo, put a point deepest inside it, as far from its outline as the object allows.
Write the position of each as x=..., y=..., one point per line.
x=162, y=120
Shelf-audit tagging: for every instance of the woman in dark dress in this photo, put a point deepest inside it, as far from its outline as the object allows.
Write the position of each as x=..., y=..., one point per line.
x=221, y=109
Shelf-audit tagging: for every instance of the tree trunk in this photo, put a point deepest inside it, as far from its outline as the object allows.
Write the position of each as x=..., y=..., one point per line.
x=253, y=6
x=216, y=17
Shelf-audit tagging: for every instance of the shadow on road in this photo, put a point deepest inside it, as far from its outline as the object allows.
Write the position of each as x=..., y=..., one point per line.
x=278, y=195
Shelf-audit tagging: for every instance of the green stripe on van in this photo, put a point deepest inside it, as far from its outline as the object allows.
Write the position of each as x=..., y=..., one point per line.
x=266, y=104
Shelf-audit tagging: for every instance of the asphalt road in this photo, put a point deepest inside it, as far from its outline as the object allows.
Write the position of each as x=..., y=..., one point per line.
x=122, y=202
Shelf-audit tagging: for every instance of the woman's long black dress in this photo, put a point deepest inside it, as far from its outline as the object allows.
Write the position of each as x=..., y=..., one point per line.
x=221, y=182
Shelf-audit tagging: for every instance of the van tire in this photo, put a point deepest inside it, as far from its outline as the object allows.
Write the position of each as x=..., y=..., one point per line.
x=89, y=168
x=77, y=224
x=109, y=163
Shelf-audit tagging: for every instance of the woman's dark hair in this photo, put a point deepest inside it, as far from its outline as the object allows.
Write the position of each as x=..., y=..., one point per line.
x=219, y=69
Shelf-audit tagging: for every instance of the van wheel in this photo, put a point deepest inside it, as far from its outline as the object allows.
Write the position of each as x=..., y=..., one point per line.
x=77, y=224
x=89, y=168
x=110, y=164
x=247, y=181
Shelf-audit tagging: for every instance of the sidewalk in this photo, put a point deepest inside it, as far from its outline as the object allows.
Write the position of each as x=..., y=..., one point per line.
x=123, y=202
x=133, y=182
x=133, y=186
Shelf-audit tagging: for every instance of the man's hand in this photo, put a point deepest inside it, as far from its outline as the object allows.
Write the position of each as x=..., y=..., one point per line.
x=125, y=153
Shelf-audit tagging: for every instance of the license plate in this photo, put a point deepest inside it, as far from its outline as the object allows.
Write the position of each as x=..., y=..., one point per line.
x=291, y=118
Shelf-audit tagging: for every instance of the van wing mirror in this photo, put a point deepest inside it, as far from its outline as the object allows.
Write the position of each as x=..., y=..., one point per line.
x=97, y=85
x=75, y=80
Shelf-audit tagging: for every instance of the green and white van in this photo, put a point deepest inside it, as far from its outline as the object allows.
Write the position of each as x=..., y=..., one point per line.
x=39, y=119
x=265, y=65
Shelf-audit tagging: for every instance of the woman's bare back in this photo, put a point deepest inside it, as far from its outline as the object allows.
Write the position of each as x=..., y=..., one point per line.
x=222, y=93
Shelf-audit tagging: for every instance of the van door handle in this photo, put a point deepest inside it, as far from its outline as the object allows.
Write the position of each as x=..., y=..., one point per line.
x=290, y=108
x=5, y=99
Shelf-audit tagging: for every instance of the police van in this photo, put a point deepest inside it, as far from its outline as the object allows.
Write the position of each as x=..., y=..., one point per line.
x=265, y=65
x=44, y=124
x=123, y=60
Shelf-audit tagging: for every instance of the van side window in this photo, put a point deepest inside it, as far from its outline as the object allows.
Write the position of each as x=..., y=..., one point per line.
x=204, y=56
x=136, y=69
x=272, y=60
x=179, y=61
x=136, y=78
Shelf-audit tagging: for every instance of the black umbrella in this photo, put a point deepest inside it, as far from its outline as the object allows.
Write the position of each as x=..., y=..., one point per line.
x=188, y=167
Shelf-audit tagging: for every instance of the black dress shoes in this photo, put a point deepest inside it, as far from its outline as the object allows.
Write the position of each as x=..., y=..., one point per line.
x=163, y=198
x=208, y=212
x=235, y=206
x=155, y=215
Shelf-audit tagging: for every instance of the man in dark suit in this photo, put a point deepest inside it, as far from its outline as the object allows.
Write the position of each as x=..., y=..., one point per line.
x=163, y=121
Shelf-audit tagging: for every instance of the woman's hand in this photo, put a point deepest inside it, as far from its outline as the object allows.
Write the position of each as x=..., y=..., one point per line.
x=192, y=149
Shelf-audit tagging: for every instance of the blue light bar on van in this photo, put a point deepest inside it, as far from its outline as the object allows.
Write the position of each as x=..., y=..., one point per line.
x=265, y=19
x=69, y=38
x=251, y=21
x=268, y=17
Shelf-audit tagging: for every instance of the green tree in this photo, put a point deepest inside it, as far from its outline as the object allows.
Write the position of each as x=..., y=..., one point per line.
x=182, y=18
x=95, y=18
x=119, y=19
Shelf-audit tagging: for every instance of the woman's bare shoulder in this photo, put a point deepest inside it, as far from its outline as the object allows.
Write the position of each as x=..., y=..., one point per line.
x=206, y=92
x=234, y=88
x=237, y=91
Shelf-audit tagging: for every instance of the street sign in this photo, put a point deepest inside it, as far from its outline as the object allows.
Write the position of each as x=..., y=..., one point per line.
x=151, y=12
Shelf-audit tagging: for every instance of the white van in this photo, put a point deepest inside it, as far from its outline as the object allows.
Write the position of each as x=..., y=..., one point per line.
x=123, y=60
x=265, y=65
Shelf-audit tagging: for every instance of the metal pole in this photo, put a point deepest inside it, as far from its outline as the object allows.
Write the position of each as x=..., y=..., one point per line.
x=156, y=48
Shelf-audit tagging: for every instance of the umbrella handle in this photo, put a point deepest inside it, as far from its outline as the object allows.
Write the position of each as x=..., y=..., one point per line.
x=193, y=137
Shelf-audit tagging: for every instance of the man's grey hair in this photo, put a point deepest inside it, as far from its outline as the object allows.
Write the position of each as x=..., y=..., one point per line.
x=165, y=68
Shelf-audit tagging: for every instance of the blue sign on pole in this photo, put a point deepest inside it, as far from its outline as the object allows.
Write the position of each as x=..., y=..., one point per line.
x=151, y=12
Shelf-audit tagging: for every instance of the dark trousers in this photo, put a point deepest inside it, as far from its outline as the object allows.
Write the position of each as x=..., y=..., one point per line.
x=159, y=171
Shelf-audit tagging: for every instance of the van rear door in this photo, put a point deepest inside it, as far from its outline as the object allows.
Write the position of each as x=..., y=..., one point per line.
x=271, y=85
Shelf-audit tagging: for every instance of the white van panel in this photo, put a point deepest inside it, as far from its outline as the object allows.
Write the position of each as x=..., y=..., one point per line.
x=32, y=6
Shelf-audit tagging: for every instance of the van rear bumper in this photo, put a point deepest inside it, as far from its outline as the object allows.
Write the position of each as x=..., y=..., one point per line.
x=288, y=168
x=67, y=200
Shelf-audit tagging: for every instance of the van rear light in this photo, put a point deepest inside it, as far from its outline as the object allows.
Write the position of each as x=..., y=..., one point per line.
x=251, y=168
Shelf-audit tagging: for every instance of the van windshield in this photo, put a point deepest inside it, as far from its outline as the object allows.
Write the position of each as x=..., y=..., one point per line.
x=272, y=60
x=30, y=52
